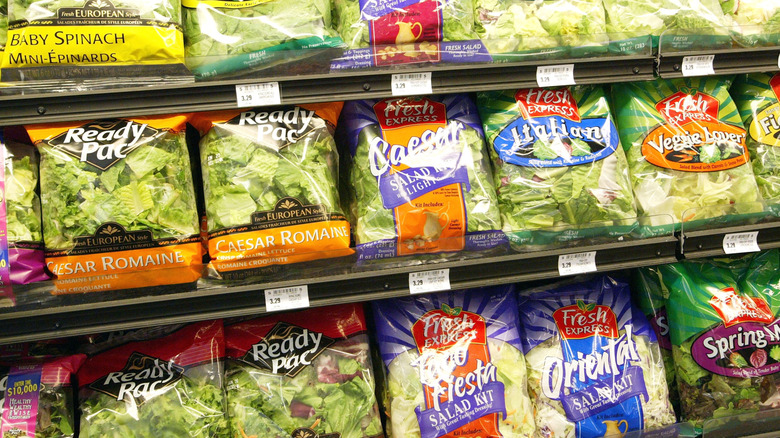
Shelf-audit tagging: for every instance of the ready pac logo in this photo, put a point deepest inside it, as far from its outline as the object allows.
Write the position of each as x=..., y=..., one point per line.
x=688, y=106
x=585, y=320
x=143, y=378
x=544, y=102
x=735, y=309
x=287, y=349
x=395, y=113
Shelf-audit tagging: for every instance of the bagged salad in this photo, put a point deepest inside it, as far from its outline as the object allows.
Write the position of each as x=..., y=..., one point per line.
x=227, y=37
x=3, y=23
x=753, y=22
x=453, y=365
x=302, y=374
x=686, y=151
x=165, y=386
x=560, y=170
x=271, y=187
x=118, y=201
x=419, y=179
x=594, y=365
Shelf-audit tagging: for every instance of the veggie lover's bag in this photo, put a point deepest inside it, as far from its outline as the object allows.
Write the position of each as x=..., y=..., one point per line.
x=419, y=177
x=271, y=186
x=453, y=365
x=118, y=203
x=302, y=374
x=168, y=386
x=558, y=164
x=594, y=366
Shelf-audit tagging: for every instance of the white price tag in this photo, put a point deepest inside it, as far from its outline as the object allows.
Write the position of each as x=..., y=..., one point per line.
x=429, y=281
x=286, y=298
x=263, y=94
x=738, y=243
x=778, y=61
x=408, y=84
x=580, y=263
x=555, y=75
x=698, y=65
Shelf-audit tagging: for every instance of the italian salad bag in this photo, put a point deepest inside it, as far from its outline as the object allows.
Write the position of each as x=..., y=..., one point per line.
x=590, y=328
x=271, y=187
x=686, y=151
x=118, y=203
x=302, y=374
x=454, y=365
x=89, y=39
x=418, y=176
x=167, y=386
x=560, y=170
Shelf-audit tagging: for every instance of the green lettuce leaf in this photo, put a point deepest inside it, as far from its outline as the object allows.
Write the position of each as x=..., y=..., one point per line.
x=23, y=207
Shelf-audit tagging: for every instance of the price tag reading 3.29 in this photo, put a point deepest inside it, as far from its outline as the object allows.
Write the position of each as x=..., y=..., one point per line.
x=264, y=94
x=580, y=263
x=738, y=243
x=286, y=298
x=409, y=84
x=555, y=75
x=698, y=65
x=429, y=281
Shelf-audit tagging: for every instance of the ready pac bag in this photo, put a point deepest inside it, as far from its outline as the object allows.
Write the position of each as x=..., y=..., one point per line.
x=560, y=170
x=419, y=178
x=594, y=366
x=271, y=187
x=453, y=365
x=118, y=203
x=171, y=386
x=302, y=374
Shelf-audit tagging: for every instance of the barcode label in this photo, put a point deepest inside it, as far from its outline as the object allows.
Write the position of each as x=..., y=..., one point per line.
x=555, y=75
x=429, y=281
x=701, y=65
x=264, y=94
x=580, y=263
x=408, y=84
x=286, y=298
x=738, y=243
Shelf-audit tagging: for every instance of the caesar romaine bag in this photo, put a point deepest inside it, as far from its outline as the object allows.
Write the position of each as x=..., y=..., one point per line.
x=118, y=203
x=454, y=365
x=170, y=385
x=419, y=178
x=594, y=366
x=270, y=180
x=560, y=170
x=302, y=374
x=686, y=151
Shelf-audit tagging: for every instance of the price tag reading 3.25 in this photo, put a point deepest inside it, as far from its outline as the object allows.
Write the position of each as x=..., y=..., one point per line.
x=738, y=243
x=429, y=281
x=698, y=65
x=409, y=84
x=555, y=75
x=286, y=298
x=264, y=94
x=580, y=263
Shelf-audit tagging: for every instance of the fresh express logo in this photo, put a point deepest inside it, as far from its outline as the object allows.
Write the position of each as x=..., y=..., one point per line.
x=446, y=327
x=689, y=106
x=583, y=320
x=394, y=113
x=102, y=144
x=287, y=349
x=542, y=102
x=143, y=377
x=279, y=128
x=734, y=308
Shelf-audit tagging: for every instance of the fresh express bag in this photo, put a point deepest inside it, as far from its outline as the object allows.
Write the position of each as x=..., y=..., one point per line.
x=302, y=374
x=419, y=177
x=168, y=386
x=560, y=170
x=383, y=33
x=454, y=365
x=225, y=37
x=686, y=150
x=37, y=397
x=594, y=366
x=92, y=39
x=271, y=187
x=118, y=203
x=754, y=22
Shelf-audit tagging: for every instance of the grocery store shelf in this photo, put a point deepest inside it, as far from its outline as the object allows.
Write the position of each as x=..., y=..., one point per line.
x=39, y=316
x=55, y=106
x=709, y=242
x=726, y=61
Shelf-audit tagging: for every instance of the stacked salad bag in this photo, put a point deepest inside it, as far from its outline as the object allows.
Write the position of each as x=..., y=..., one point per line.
x=3, y=23
x=381, y=33
x=419, y=177
x=594, y=365
x=454, y=365
x=559, y=168
x=686, y=150
x=271, y=187
x=753, y=22
x=118, y=202
x=303, y=374
x=170, y=385
x=88, y=39
x=228, y=37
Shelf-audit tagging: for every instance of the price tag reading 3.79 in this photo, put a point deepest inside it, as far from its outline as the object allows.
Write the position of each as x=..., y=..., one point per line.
x=286, y=298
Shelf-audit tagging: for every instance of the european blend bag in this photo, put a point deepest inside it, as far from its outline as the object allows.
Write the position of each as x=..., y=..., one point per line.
x=594, y=366
x=271, y=186
x=169, y=386
x=454, y=365
x=560, y=170
x=419, y=177
x=302, y=374
x=118, y=203
x=685, y=144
